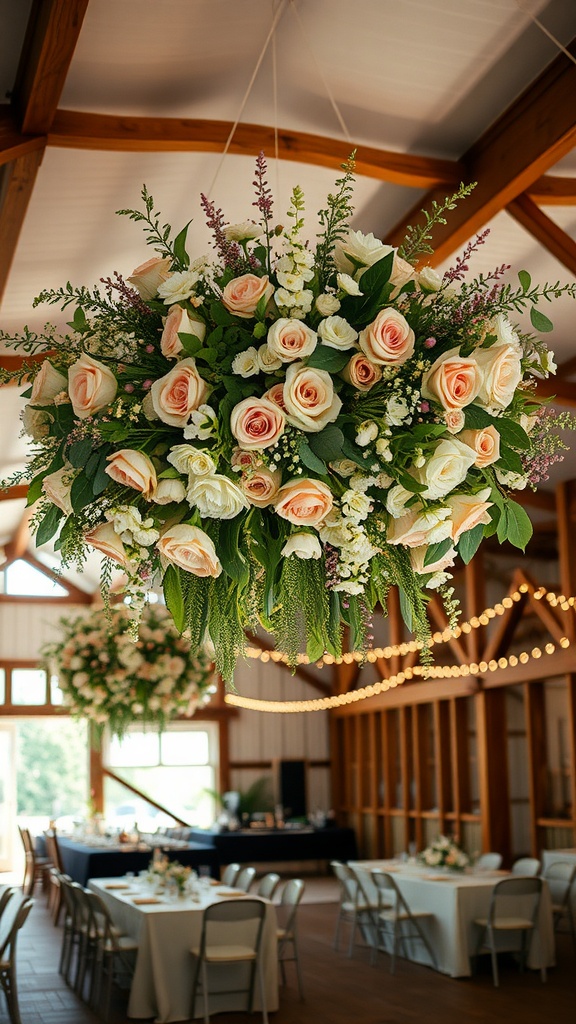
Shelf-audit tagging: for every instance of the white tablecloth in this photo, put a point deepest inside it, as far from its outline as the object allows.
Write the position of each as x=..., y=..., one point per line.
x=454, y=902
x=166, y=931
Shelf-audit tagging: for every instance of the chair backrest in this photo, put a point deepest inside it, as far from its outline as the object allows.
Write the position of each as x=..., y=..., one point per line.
x=66, y=884
x=292, y=893
x=52, y=848
x=220, y=918
x=367, y=892
x=6, y=896
x=268, y=885
x=389, y=895
x=347, y=879
x=245, y=878
x=488, y=862
x=509, y=889
x=561, y=878
x=230, y=874
x=8, y=940
x=26, y=838
x=100, y=922
x=526, y=866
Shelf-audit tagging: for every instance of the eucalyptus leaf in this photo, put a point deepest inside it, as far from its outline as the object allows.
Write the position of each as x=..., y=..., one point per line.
x=540, y=322
x=325, y=358
x=327, y=443
x=310, y=460
x=48, y=525
x=525, y=280
x=172, y=587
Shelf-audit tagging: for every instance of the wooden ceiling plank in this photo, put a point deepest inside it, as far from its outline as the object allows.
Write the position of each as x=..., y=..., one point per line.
x=550, y=190
x=81, y=130
x=543, y=500
x=16, y=187
x=544, y=230
x=49, y=44
x=12, y=142
x=532, y=135
x=14, y=363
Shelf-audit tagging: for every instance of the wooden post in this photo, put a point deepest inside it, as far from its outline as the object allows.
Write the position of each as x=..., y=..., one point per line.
x=96, y=774
x=566, y=516
x=492, y=742
x=537, y=759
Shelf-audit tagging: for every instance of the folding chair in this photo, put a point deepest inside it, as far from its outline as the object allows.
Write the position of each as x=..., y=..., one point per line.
x=561, y=879
x=488, y=862
x=8, y=958
x=113, y=952
x=396, y=920
x=287, y=935
x=500, y=920
x=230, y=874
x=526, y=866
x=245, y=878
x=268, y=885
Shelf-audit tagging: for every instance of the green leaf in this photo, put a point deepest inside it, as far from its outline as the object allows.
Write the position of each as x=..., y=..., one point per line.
x=327, y=443
x=220, y=315
x=326, y=358
x=207, y=355
x=476, y=418
x=80, y=452
x=172, y=587
x=233, y=561
x=48, y=525
x=180, y=247
x=540, y=322
x=525, y=280
x=260, y=311
x=405, y=607
x=310, y=460
x=352, y=452
x=101, y=478
x=35, y=489
x=510, y=460
x=437, y=551
x=410, y=483
x=81, y=493
x=470, y=542
x=190, y=343
x=512, y=433
x=519, y=525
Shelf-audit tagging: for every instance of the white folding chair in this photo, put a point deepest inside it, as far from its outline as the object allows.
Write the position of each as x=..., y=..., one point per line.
x=216, y=951
x=245, y=878
x=561, y=879
x=230, y=874
x=352, y=905
x=268, y=885
x=499, y=919
x=287, y=934
x=526, y=866
x=395, y=920
x=488, y=862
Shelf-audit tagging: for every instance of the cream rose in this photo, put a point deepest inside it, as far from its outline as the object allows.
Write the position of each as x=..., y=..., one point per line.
x=501, y=374
x=57, y=487
x=178, y=322
x=242, y=294
x=468, y=511
x=337, y=333
x=420, y=527
x=256, y=423
x=168, y=490
x=261, y=486
x=389, y=339
x=361, y=372
x=396, y=500
x=48, y=383
x=290, y=339
x=303, y=545
x=485, y=442
x=176, y=395
x=105, y=539
x=132, y=469
x=417, y=556
x=267, y=361
x=91, y=386
x=275, y=394
x=188, y=459
x=216, y=497
x=446, y=468
x=304, y=502
x=358, y=250
x=148, y=276
x=36, y=422
x=309, y=397
x=453, y=381
x=189, y=548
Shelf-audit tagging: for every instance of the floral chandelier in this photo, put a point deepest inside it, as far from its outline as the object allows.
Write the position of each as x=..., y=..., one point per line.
x=281, y=433
x=113, y=681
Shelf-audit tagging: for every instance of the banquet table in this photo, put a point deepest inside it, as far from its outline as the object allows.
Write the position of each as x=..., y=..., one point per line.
x=83, y=861
x=166, y=931
x=454, y=901
x=251, y=846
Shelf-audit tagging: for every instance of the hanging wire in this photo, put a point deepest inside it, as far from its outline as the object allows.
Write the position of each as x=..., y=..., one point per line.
x=523, y=6
x=275, y=103
x=321, y=75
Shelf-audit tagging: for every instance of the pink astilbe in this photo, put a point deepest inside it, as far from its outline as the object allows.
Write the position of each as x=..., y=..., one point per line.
x=263, y=200
x=130, y=295
x=230, y=253
x=457, y=272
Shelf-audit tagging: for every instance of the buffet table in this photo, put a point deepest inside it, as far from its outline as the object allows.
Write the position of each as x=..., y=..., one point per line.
x=165, y=931
x=249, y=846
x=454, y=901
x=83, y=861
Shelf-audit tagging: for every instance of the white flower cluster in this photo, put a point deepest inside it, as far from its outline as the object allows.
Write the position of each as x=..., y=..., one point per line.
x=444, y=852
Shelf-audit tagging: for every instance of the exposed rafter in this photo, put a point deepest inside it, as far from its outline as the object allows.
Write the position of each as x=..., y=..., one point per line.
x=553, y=191
x=16, y=187
x=545, y=231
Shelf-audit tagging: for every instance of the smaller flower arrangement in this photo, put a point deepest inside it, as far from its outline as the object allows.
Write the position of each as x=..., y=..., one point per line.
x=444, y=852
x=108, y=678
x=170, y=873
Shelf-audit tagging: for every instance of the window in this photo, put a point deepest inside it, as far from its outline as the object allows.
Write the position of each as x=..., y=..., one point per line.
x=24, y=580
x=176, y=768
x=28, y=686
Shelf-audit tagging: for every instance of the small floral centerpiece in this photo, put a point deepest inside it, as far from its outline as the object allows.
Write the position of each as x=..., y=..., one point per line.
x=282, y=432
x=444, y=852
x=170, y=873
x=108, y=678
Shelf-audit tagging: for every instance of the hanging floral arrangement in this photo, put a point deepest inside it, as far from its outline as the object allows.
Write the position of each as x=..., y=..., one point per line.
x=281, y=432
x=113, y=681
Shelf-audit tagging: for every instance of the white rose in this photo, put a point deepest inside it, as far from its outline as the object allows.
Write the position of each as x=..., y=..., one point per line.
x=501, y=371
x=366, y=432
x=190, y=460
x=396, y=500
x=36, y=422
x=337, y=333
x=243, y=232
x=178, y=287
x=419, y=526
x=348, y=285
x=246, y=363
x=292, y=282
x=396, y=411
x=446, y=468
x=358, y=250
x=429, y=280
x=327, y=304
x=268, y=361
x=168, y=490
x=48, y=383
x=216, y=497
x=57, y=487
x=303, y=545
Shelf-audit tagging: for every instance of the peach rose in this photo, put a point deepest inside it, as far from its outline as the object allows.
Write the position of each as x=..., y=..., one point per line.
x=361, y=372
x=256, y=423
x=132, y=469
x=105, y=539
x=304, y=502
x=389, y=339
x=501, y=374
x=176, y=395
x=420, y=526
x=190, y=549
x=309, y=397
x=149, y=275
x=261, y=486
x=47, y=384
x=486, y=444
x=291, y=339
x=275, y=394
x=242, y=294
x=91, y=386
x=454, y=420
x=453, y=381
x=468, y=511
x=178, y=322
x=417, y=556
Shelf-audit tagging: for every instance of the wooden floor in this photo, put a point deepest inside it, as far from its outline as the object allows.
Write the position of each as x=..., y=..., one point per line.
x=338, y=990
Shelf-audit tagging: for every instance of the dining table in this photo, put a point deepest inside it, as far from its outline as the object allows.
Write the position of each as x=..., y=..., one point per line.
x=100, y=858
x=453, y=902
x=166, y=927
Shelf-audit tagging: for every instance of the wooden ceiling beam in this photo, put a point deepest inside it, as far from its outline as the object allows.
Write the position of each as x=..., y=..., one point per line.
x=544, y=230
x=49, y=44
x=543, y=500
x=564, y=391
x=567, y=368
x=82, y=130
x=14, y=363
x=15, y=493
x=532, y=135
x=550, y=190
x=12, y=142
x=16, y=185
x=17, y=546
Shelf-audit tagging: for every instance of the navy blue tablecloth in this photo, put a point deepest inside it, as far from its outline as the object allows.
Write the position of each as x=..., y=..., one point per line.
x=83, y=862
x=251, y=845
